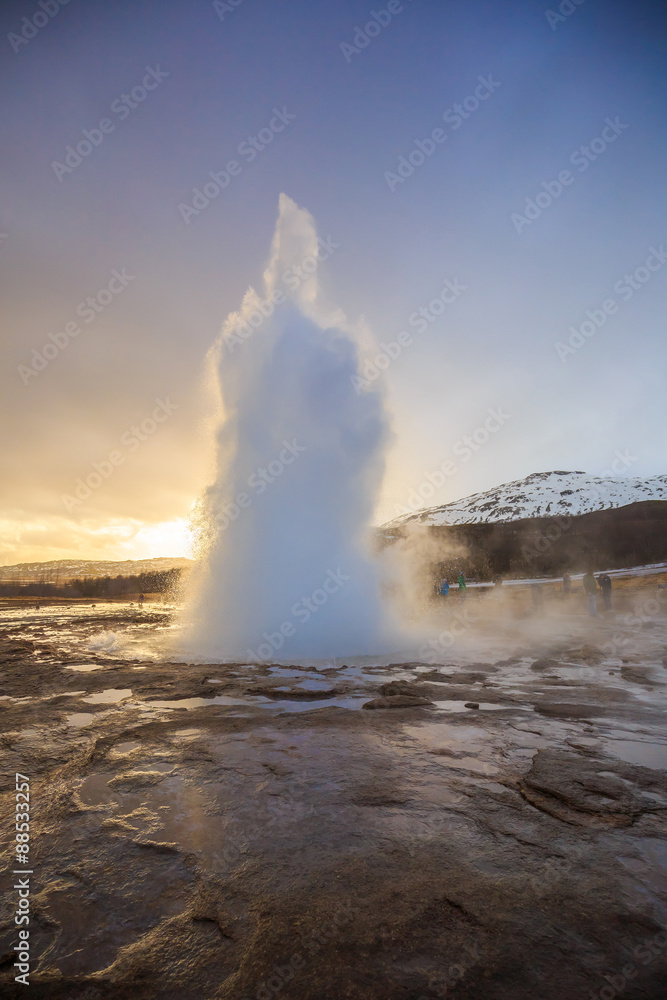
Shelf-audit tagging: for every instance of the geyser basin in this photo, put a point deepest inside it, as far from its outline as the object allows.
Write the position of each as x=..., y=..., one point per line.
x=284, y=569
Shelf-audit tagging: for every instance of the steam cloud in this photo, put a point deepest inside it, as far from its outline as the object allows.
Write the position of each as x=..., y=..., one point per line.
x=285, y=571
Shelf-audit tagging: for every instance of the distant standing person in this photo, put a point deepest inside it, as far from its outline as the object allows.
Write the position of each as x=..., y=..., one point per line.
x=591, y=589
x=462, y=587
x=141, y=598
x=444, y=588
x=604, y=582
x=567, y=584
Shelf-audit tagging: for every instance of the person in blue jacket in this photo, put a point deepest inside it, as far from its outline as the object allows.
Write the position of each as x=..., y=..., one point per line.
x=444, y=588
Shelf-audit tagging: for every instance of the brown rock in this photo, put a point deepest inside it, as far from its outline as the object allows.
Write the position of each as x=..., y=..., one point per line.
x=397, y=701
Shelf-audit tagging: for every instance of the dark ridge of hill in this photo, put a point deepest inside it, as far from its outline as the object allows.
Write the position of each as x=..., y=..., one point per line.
x=615, y=538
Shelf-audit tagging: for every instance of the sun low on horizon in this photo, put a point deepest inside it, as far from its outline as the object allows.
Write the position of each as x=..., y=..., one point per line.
x=44, y=541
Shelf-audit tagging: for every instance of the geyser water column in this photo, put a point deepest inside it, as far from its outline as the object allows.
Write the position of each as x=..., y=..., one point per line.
x=285, y=569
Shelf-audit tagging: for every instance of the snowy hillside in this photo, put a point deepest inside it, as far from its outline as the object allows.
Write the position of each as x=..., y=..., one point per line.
x=544, y=494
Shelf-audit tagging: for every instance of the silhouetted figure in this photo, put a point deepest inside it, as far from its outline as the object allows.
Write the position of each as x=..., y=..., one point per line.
x=590, y=586
x=141, y=598
x=567, y=584
x=604, y=582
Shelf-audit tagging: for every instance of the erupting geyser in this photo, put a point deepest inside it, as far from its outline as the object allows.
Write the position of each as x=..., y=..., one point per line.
x=284, y=568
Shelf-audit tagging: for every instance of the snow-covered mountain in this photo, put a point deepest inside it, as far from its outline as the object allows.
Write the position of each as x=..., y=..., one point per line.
x=544, y=494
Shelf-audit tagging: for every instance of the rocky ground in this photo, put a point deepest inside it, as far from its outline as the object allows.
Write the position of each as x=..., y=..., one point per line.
x=490, y=826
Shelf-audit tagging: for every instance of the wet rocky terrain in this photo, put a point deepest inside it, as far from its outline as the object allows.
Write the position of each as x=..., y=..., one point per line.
x=493, y=825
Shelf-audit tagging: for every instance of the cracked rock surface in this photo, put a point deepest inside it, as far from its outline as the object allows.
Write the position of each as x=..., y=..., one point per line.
x=232, y=831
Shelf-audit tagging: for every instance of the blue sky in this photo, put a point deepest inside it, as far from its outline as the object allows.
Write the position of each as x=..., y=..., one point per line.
x=222, y=74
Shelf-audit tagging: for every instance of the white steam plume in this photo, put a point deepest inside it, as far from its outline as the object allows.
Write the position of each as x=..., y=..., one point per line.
x=285, y=570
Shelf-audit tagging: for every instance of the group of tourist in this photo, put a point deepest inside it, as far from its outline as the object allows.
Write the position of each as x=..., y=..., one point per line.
x=591, y=587
x=444, y=587
x=590, y=584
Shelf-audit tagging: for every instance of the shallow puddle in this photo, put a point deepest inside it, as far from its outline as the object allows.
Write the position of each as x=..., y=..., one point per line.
x=78, y=719
x=639, y=752
x=190, y=703
x=108, y=697
x=290, y=672
x=313, y=684
x=173, y=811
x=302, y=705
x=94, y=790
x=84, y=668
x=260, y=701
x=440, y=736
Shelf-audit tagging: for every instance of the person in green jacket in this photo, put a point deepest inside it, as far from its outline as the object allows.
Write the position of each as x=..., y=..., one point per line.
x=462, y=587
